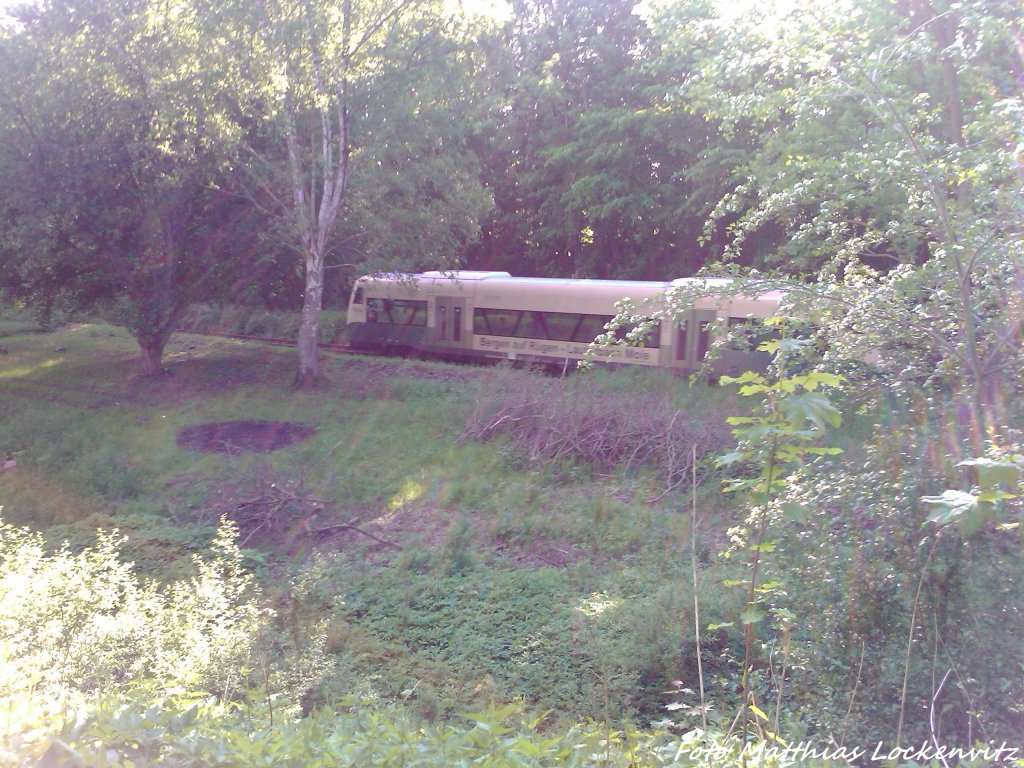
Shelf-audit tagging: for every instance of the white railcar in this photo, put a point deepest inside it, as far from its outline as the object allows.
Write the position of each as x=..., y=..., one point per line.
x=549, y=321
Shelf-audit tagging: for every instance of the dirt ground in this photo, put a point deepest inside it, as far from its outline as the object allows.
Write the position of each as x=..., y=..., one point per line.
x=243, y=436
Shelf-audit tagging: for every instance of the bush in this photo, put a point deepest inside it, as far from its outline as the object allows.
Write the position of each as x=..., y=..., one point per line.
x=580, y=420
x=78, y=627
x=866, y=565
x=100, y=668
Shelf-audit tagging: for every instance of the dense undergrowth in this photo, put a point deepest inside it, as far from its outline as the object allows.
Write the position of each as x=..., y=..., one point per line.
x=501, y=582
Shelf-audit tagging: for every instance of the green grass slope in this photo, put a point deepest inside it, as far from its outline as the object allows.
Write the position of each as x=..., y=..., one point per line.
x=471, y=573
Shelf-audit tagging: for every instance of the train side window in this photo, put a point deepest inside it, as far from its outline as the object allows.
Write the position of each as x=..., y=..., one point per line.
x=457, y=324
x=536, y=326
x=408, y=312
x=754, y=334
x=442, y=322
x=681, y=340
x=739, y=333
x=589, y=328
x=396, y=311
x=651, y=338
x=498, y=322
x=373, y=309
x=481, y=324
x=562, y=326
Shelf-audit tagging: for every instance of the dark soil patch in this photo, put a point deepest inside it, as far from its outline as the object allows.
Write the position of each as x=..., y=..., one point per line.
x=242, y=436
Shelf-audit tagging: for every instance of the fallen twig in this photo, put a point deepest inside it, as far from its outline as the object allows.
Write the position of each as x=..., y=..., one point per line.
x=351, y=525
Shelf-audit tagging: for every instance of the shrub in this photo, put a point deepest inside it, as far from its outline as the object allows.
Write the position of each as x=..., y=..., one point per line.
x=866, y=565
x=78, y=627
x=578, y=420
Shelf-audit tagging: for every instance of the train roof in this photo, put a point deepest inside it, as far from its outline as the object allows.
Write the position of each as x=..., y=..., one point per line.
x=507, y=278
x=463, y=274
x=501, y=289
x=459, y=275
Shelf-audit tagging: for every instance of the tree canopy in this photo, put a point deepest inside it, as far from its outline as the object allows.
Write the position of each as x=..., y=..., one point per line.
x=161, y=153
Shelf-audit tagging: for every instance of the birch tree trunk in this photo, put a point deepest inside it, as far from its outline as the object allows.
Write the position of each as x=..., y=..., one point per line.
x=317, y=56
x=316, y=210
x=309, y=374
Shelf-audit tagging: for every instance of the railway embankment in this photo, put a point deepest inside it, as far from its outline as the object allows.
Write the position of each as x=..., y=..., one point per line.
x=438, y=540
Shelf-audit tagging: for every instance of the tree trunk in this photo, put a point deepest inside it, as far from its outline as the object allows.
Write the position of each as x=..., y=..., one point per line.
x=151, y=347
x=309, y=375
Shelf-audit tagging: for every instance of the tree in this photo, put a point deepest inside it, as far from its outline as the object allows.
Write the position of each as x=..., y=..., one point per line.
x=887, y=163
x=117, y=164
x=322, y=70
x=550, y=69
x=416, y=197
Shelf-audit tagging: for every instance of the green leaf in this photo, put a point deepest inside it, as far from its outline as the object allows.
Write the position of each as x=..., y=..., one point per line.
x=813, y=380
x=752, y=615
x=795, y=512
x=190, y=716
x=992, y=473
x=731, y=458
x=724, y=625
x=743, y=420
x=785, y=346
x=748, y=377
x=991, y=496
x=951, y=506
x=760, y=497
x=823, y=451
x=812, y=407
x=759, y=712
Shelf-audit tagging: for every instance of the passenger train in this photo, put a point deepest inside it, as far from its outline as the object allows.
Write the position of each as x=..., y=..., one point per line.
x=551, y=322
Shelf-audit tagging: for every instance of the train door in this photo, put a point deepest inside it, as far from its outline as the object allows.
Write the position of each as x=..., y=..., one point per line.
x=449, y=323
x=693, y=338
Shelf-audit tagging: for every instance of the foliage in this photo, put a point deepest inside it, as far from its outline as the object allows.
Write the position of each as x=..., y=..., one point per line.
x=248, y=320
x=560, y=79
x=76, y=628
x=559, y=583
x=359, y=99
x=16, y=319
x=888, y=166
x=501, y=737
x=117, y=166
x=998, y=480
x=101, y=668
x=865, y=568
x=774, y=442
x=875, y=146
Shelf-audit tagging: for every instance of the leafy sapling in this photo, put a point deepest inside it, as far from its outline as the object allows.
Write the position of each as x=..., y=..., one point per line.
x=794, y=414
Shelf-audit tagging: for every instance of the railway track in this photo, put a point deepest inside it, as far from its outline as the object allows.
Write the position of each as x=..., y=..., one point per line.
x=339, y=348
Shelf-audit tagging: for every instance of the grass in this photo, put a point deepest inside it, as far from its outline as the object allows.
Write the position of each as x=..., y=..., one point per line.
x=514, y=579
x=494, y=575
